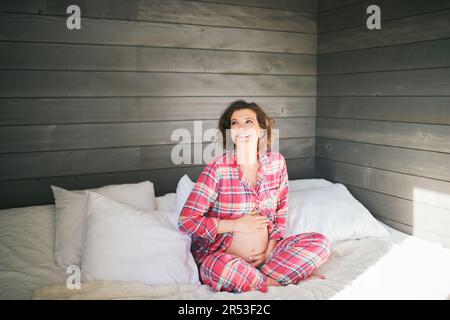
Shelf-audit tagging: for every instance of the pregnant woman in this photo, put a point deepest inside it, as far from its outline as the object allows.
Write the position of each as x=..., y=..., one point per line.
x=236, y=213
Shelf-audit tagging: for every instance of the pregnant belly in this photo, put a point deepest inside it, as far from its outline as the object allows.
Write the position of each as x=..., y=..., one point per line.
x=247, y=244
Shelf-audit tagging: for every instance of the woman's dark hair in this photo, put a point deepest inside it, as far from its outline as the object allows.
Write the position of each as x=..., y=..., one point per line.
x=264, y=121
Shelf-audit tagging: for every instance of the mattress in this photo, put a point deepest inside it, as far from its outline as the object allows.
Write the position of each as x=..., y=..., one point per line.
x=404, y=267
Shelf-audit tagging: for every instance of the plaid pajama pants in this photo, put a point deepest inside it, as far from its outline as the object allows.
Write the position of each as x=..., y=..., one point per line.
x=293, y=259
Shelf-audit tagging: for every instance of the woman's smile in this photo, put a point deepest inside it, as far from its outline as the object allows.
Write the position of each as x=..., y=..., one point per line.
x=243, y=137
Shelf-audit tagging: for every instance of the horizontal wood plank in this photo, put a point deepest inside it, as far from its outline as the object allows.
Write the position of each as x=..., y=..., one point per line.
x=166, y=180
x=418, y=55
x=303, y=5
x=44, y=56
x=425, y=82
x=407, y=135
x=140, y=109
x=176, y=11
x=98, y=84
x=302, y=168
x=87, y=136
x=430, y=219
x=38, y=191
x=60, y=163
x=355, y=15
x=324, y=5
x=33, y=191
x=418, y=189
x=429, y=26
x=407, y=161
x=37, y=28
x=403, y=109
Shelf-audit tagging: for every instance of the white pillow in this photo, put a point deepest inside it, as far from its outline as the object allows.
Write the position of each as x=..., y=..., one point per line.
x=333, y=212
x=184, y=188
x=125, y=244
x=166, y=202
x=302, y=184
x=71, y=213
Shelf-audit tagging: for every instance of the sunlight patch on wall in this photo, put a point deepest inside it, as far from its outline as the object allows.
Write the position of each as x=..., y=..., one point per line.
x=431, y=214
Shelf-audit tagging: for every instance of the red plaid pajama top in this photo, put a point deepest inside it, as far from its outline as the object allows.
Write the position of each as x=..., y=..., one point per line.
x=223, y=192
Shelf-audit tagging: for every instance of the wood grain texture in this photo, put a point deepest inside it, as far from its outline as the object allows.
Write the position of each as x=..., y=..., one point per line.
x=38, y=56
x=167, y=179
x=324, y=5
x=408, y=161
x=425, y=82
x=176, y=11
x=423, y=221
x=104, y=135
x=19, y=111
x=418, y=189
x=408, y=135
x=98, y=84
x=90, y=161
x=96, y=106
x=41, y=6
x=355, y=15
x=427, y=54
x=383, y=120
x=297, y=5
x=37, y=28
x=38, y=191
x=430, y=26
x=401, y=109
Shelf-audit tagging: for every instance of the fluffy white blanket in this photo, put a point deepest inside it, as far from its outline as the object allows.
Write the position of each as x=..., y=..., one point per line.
x=357, y=269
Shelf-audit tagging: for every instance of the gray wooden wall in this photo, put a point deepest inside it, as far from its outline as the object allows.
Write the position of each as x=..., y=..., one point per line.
x=383, y=110
x=96, y=106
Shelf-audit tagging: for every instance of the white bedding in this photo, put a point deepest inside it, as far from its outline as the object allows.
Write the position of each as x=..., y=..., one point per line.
x=26, y=251
x=404, y=268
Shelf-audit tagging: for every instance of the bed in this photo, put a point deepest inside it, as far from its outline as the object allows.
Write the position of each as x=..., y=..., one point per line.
x=401, y=267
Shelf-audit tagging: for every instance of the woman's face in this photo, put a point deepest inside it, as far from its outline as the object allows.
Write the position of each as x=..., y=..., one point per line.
x=245, y=128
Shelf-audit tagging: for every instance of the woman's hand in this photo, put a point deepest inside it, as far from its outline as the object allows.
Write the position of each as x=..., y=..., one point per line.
x=257, y=259
x=251, y=223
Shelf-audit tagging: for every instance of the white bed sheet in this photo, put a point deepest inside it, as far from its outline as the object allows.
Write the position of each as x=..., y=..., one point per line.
x=26, y=251
x=404, y=268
